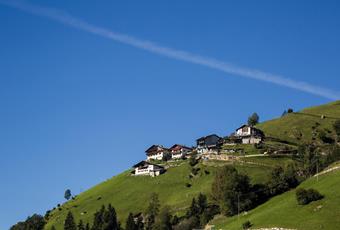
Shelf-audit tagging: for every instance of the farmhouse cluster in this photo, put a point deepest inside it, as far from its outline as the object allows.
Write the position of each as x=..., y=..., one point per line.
x=210, y=144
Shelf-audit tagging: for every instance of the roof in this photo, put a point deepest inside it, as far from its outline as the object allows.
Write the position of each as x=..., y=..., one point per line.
x=178, y=147
x=142, y=163
x=211, y=135
x=243, y=127
x=155, y=148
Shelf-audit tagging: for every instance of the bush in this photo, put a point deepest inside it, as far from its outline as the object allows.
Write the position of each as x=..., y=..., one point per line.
x=336, y=127
x=246, y=225
x=194, y=171
x=325, y=139
x=193, y=161
x=304, y=196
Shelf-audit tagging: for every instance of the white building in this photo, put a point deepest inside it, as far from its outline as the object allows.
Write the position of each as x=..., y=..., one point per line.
x=179, y=151
x=156, y=152
x=147, y=169
x=249, y=134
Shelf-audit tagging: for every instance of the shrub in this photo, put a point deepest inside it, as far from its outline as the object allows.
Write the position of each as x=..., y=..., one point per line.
x=193, y=161
x=304, y=196
x=336, y=127
x=194, y=171
x=325, y=139
x=246, y=225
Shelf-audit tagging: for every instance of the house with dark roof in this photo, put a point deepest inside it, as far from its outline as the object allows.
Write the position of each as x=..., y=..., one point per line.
x=156, y=152
x=147, y=169
x=179, y=151
x=208, y=143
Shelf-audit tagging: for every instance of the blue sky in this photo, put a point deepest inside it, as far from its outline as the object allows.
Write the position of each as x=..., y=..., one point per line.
x=77, y=108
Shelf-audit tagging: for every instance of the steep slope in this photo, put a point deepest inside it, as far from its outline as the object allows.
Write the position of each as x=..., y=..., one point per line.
x=283, y=210
x=299, y=127
x=131, y=193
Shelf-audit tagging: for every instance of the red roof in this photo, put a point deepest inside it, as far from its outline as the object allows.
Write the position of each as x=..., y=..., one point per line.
x=177, y=147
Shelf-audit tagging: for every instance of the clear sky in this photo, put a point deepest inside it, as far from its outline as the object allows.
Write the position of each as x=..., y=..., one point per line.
x=77, y=108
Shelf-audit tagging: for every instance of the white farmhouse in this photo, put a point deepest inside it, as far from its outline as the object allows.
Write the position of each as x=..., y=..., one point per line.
x=156, y=152
x=147, y=169
x=249, y=134
x=179, y=151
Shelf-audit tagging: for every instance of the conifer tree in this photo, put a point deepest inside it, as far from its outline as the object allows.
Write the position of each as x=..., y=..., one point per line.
x=81, y=225
x=69, y=222
x=98, y=220
x=130, y=223
x=87, y=227
x=110, y=219
x=152, y=211
x=163, y=220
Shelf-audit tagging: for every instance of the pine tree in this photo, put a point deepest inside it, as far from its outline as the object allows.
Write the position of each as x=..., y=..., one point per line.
x=110, y=219
x=98, y=221
x=202, y=203
x=194, y=209
x=81, y=225
x=163, y=220
x=130, y=223
x=69, y=222
x=152, y=211
x=87, y=227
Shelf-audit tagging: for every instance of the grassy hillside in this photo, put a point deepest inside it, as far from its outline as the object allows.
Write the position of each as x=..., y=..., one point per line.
x=283, y=210
x=300, y=126
x=131, y=193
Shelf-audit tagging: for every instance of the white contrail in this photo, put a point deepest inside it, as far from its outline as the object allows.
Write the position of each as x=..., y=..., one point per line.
x=69, y=20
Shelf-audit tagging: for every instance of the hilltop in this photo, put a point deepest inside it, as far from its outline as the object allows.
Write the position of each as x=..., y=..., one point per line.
x=305, y=125
x=176, y=187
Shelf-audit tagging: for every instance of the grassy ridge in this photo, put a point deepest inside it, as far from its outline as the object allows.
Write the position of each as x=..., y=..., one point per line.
x=131, y=193
x=283, y=210
x=299, y=127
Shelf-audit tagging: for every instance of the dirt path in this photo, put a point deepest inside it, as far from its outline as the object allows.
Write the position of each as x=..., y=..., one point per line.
x=328, y=170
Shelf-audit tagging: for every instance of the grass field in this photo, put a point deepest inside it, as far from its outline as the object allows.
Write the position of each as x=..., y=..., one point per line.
x=131, y=193
x=299, y=127
x=283, y=210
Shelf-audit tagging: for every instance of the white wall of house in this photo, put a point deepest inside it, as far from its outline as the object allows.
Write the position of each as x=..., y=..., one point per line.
x=158, y=156
x=251, y=140
x=179, y=154
x=243, y=131
x=151, y=170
